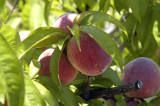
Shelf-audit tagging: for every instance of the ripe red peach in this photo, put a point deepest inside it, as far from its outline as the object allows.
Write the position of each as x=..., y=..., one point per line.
x=66, y=71
x=92, y=59
x=148, y=72
x=64, y=20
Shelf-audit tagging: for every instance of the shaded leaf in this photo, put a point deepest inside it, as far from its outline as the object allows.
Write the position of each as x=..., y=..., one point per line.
x=135, y=6
x=112, y=75
x=65, y=95
x=54, y=63
x=104, y=5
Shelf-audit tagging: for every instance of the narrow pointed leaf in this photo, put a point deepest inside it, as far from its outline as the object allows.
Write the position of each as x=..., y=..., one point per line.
x=32, y=94
x=65, y=95
x=11, y=74
x=48, y=4
x=54, y=64
x=40, y=37
x=112, y=75
x=46, y=94
x=94, y=17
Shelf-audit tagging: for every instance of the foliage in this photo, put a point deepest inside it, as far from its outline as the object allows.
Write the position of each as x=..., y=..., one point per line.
x=125, y=29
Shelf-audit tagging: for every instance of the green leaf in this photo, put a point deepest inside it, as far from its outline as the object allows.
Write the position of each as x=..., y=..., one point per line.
x=93, y=17
x=11, y=74
x=105, y=41
x=112, y=75
x=2, y=6
x=75, y=33
x=135, y=6
x=11, y=35
x=65, y=95
x=50, y=99
x=101, y=82
x=54, y=66
x=36, y=16
x=90, y=3
x=80, y=17
x=33, y=14
x=48, y=4
x=104, y=5
x=138, y=8
x=40, y=37
x=25, y=15
x=32, y=94
x=2, y=90
x=120, y=100
x=34, y=68
x=54, y=62
x=156, y=27
x=118, y=4
x=80, y=4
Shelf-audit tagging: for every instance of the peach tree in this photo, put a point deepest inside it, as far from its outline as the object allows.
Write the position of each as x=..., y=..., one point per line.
x=79, y=52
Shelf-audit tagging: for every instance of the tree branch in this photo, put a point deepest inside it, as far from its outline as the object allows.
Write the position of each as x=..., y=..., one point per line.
x=108, y=93
x=12, y=11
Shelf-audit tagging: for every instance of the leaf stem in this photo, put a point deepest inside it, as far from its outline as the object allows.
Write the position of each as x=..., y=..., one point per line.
x=12, y=11
x=87, y=92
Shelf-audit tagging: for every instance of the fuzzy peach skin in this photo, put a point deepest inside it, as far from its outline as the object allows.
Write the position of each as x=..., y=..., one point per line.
x=92, y=59
x=64, y=20
x=66, y=71
x=148, y=72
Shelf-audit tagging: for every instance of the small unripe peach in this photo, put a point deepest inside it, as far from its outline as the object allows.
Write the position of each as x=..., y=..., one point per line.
x=64, y=20
x=66, y=71
x=148, y=72
x=92, y=59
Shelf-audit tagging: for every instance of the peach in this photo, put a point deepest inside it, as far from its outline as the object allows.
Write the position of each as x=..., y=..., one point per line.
x=64, y=20
x=148, y=72
x=92, y=59
x=66, y=71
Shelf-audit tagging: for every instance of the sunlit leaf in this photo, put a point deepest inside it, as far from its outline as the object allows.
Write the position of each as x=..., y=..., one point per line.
x=48, y=4
x=46, y=94
x=32, y=94
x=93, y=17
x=41, y=36
x=36, y=16
x=11, y=74
x=11, y=36
x=2, y=6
